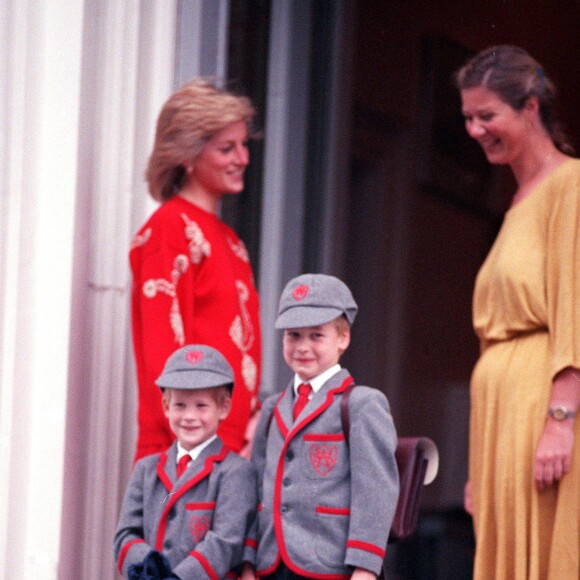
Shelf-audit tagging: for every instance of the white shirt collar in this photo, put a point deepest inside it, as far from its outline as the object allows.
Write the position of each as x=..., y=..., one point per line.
x=194, y=453
x=317, y=382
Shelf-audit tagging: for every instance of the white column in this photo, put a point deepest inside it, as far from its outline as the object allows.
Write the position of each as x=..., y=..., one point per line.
x=39, y=95
x=128, y=72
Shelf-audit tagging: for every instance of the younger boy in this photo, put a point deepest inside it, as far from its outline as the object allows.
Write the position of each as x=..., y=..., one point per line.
x=327, y=501
x=194, y=502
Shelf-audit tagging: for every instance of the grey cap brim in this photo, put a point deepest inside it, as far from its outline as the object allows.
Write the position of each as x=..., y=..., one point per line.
x=303, y=316
x=186, y=379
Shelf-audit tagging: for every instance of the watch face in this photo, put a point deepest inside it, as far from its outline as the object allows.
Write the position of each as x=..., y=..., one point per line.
x=559, y=413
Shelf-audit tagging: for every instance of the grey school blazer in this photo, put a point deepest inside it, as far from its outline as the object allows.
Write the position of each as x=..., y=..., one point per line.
x=199, y=522
x=326, y=506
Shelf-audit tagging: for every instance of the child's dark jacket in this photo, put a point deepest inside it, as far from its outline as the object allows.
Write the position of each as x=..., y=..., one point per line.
x=199, y=522
x=326, y=505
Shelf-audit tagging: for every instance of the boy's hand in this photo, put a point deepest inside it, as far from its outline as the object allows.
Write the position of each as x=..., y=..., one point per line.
x=247, y=572
x=362, y=574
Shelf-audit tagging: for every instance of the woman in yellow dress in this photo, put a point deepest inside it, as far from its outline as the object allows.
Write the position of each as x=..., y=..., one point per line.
x=524, y=464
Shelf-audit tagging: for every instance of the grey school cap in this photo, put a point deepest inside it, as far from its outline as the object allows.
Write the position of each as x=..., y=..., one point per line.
x=195, y=366
x=314, y=299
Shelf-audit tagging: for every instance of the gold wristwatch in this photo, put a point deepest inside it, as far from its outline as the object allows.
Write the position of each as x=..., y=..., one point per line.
x=560, y=412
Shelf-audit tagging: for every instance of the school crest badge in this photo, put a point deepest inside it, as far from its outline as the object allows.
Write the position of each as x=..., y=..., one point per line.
x=199, y=526
x=300, y=292
x=193, y=356
x=323, y=458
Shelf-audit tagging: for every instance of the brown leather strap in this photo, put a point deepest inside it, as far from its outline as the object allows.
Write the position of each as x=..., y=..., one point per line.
x=344, y=418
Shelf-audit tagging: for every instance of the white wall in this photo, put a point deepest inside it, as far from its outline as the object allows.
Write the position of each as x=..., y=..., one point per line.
x=39, y=115
x=81, y=84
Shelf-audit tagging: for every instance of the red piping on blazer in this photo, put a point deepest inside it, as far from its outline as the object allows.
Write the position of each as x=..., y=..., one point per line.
x=207, y=469
x=124, y=551
x=278, y=482
x=205, y=564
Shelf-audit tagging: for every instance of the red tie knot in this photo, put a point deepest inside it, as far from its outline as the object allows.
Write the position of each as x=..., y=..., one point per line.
x=304, y=391
x=182, y=464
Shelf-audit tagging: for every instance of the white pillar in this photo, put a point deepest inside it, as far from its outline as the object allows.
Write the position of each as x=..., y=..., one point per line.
x=40, y=72
x=128, y=72
x=81, y=83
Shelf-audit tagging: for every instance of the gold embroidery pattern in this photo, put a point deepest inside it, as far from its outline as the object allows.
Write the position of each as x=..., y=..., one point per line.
x=151, y=287
x=239, y=249
x=198, y=246
x=242, y=335
x=141, y=239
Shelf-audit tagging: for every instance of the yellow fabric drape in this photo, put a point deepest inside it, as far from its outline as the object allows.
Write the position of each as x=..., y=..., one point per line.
x=526, y=312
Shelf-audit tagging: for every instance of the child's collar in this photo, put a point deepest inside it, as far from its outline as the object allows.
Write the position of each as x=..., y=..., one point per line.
x=196, y=451
x=319, y=380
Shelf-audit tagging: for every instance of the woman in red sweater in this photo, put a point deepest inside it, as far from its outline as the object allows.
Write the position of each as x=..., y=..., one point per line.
x=192, y=279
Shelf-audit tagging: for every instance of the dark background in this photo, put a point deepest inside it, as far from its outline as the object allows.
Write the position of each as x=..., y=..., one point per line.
x=423, y=210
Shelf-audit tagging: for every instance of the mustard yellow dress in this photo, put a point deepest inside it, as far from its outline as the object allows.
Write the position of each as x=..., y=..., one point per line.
x=526, y=313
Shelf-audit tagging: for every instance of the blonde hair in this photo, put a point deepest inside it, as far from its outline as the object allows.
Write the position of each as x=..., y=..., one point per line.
x=341, y=324
x=189, y=118
x=219, y=394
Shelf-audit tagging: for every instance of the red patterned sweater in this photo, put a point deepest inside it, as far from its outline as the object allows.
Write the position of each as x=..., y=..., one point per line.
x=192, y=284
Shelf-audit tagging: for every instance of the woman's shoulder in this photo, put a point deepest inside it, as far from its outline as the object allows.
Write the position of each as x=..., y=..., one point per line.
x=565, y=185
x=165, y=215
x=228, y=231
x=174, y=222
x=567, y=174
x=558, y=188
x=176, y=211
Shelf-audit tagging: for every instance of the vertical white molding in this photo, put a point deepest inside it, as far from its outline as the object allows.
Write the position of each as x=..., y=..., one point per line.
x=40, y=79
x=127, y=74
x=12, y=39
x=112, y=102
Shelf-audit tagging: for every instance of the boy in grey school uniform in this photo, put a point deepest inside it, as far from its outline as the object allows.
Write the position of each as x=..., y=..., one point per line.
x=326, y=503
x=188, y=510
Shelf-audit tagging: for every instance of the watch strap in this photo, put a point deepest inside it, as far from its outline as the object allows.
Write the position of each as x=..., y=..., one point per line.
x=560, y=413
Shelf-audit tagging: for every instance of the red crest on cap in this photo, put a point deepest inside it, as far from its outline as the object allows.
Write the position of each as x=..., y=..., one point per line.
x=300, y=292
x=193, y=356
